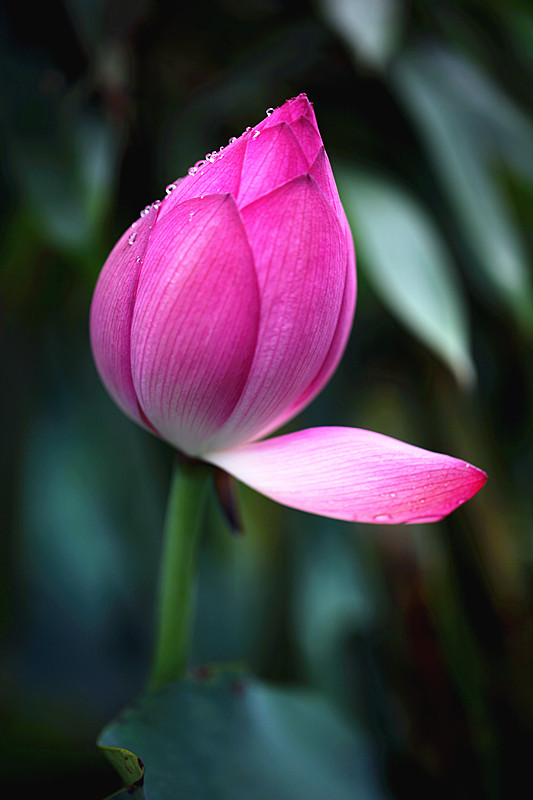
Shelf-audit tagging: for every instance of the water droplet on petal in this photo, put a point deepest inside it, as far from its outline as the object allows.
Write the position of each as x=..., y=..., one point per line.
x=382, y=518
x=233, y=139
x=255, y=134
x=132, y=237
x=421, y=520
x=269, y=111
x=170, y=188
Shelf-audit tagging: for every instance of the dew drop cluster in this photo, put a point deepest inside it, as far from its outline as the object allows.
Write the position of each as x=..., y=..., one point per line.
x=209, y=158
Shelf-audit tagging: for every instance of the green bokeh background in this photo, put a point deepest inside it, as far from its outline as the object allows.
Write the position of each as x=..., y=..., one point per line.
x=423, y=634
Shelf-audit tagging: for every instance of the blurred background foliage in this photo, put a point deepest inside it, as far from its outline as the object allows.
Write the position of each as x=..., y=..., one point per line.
x=423, y=634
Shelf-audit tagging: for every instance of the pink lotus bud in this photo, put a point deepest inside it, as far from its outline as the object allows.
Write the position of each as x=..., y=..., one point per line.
x=225, y=308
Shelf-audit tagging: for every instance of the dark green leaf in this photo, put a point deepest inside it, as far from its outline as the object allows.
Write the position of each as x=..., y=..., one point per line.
x=223, y=734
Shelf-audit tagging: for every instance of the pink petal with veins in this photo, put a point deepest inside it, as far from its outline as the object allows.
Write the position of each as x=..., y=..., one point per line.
x=195, y=321
x=273, y=157
x=223, y=175
x=308, y=137
x=331, y=360
x=288, y=112
x=112, y=311
x=354, y=475
x=321, y=171
x=301, y=260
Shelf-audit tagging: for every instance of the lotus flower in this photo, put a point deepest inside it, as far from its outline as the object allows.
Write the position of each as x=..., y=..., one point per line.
x=225, y=308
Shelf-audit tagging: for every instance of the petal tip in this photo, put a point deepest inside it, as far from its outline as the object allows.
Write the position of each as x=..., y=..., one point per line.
x=478, y=478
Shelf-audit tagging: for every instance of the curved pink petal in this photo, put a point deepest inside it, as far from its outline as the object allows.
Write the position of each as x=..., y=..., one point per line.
x=308, y=137
x=298, y=106
x=331, y=361
x=301, y=259
x=353, y=474
x=321, y=171
x=220, y=176
x=112, y=311
x=195, y=320
x=273, y=156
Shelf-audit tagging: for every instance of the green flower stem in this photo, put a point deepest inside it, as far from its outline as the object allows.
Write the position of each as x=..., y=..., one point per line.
x=183, y=523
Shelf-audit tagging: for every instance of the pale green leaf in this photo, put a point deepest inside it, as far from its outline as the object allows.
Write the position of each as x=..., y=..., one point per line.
x=467, y=126
x=371, y=30
x=408, y=264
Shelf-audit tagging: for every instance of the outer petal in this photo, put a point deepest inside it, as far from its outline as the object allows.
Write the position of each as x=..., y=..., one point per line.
x=273, y=157
x=331, y=360
x=195, y=321
x=301, y=258
x=112, y=311
x=307, y=136
x=290, y=110
x=353, y=474
x=220, y=176
x=321, y=171
x=300, y=106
